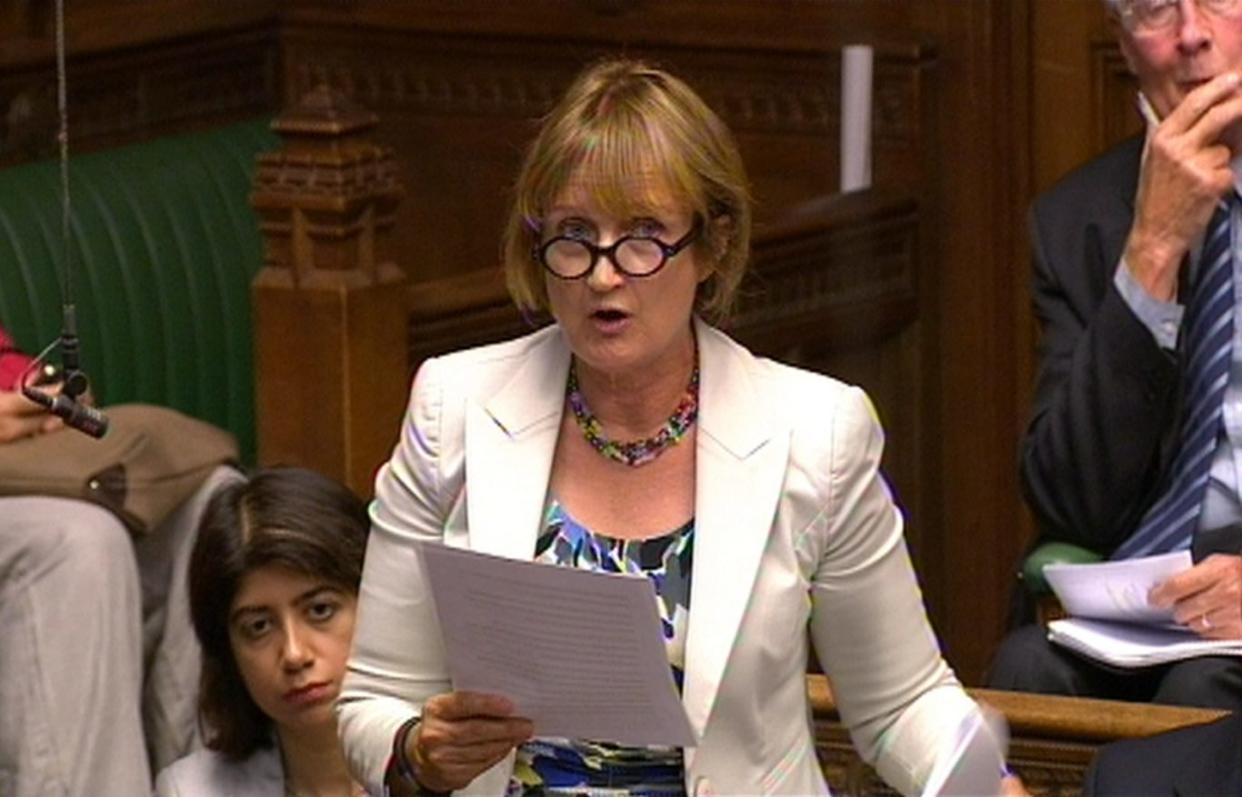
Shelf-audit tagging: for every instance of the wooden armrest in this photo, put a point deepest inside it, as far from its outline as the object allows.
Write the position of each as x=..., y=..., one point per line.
x=1052, y=738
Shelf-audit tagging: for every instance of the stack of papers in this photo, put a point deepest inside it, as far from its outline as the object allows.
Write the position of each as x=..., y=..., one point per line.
x=1131, y=645
x=1111, y=620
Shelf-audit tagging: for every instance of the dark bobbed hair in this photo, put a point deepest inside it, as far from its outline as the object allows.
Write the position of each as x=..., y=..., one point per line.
x=290, y=517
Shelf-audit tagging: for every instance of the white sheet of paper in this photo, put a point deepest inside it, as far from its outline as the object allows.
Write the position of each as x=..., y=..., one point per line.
x=977, y=764
x=1116, y=590
x=579, y=653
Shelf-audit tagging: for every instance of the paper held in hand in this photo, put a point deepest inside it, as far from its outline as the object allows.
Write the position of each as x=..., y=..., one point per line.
x=1111, y=620
x=976, y=765
x=579, y=653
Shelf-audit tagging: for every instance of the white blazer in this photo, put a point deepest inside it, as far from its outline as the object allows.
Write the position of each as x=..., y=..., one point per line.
x=795, y=529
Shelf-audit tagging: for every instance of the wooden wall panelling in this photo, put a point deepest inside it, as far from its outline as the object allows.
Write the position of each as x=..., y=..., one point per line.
x=95, y=27
x=1082, y=95
x=977, y=185
x=1114, y=96
x=458, y=111
x=137, y=91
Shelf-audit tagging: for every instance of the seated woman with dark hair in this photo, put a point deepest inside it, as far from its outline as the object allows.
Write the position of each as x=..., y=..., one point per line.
x=273, y=586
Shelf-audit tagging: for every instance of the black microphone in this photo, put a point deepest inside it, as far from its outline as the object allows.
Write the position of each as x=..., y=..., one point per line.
x=75, y=414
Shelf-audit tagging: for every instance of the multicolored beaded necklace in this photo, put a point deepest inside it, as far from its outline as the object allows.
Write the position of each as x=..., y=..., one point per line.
x=636, y=452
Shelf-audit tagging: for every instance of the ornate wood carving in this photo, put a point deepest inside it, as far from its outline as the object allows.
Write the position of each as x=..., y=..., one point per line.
x=466, y=81
x=329, y=302
x=831, y=256
x=133, y=94
x=459, y=109
x=476, y=76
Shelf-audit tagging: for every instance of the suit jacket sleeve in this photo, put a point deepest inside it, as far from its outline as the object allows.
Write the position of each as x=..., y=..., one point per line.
x=896, y=694
x=397, y=660
x=1104, y=399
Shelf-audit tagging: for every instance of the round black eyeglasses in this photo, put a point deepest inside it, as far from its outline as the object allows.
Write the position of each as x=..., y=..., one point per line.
x=632, y=255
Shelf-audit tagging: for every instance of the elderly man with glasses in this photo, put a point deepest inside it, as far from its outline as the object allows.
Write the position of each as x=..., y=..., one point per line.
x=1134, y=447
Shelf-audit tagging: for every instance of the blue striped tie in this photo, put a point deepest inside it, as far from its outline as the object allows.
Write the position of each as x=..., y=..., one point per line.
x=1170, y=523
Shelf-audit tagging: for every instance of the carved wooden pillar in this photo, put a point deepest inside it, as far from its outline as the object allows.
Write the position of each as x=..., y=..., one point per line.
x=329, y=302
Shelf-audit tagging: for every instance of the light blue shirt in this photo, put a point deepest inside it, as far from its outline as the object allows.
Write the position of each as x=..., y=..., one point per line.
x=1222, y=504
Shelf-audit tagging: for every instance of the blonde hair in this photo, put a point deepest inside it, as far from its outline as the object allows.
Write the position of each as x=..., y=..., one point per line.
x=619, y=119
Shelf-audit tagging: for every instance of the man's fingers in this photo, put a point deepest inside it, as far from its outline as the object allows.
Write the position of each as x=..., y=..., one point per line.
x=1218, y=623
x=1217, y=569
x=1191, y=612
x=1208, y=129
x=1179, y=587
x=1206, y=598
x=1202, y=100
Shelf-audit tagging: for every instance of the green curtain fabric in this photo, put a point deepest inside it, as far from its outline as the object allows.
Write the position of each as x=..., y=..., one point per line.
x=164, y=245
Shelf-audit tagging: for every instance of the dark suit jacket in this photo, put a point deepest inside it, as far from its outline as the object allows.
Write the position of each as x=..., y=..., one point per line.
x=1105, y=405
x=1201, y=760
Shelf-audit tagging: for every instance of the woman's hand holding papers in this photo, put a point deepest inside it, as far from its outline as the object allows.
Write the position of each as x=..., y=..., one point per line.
x=1207, y=598
x=462, y=735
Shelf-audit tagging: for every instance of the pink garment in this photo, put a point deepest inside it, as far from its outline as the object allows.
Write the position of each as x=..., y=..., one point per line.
x=12, y=362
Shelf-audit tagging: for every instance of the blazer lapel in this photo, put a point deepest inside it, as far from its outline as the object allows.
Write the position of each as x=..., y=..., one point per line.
x=740, y=466
x=510, y=440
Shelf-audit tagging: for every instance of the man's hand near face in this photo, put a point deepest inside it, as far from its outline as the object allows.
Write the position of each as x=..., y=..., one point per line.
x=1186, y=172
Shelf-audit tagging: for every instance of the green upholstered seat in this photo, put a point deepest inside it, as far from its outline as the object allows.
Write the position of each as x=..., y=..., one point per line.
x=164, y=248
x=1051, y=553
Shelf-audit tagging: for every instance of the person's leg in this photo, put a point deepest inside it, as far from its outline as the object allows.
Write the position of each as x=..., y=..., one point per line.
x=71, y=656
x=1206, y=681
x=1027, y=662
x=170, y=694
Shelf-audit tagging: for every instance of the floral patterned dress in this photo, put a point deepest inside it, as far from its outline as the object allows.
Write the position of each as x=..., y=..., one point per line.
x=602, y=769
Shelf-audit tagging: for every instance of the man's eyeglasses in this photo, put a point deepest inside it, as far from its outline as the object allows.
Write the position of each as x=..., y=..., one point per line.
x=1160, y=16
x=632, y=255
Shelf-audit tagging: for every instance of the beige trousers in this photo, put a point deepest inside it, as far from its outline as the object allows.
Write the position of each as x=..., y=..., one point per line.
x=98, y=662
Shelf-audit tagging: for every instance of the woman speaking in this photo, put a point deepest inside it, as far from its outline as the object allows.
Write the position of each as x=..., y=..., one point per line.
x=632, y=436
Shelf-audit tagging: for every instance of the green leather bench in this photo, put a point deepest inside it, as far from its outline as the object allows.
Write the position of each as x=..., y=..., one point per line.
x=165, y=246
x=1051, y=553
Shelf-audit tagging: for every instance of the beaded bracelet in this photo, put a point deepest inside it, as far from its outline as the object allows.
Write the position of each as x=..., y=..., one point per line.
x=399, y=765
